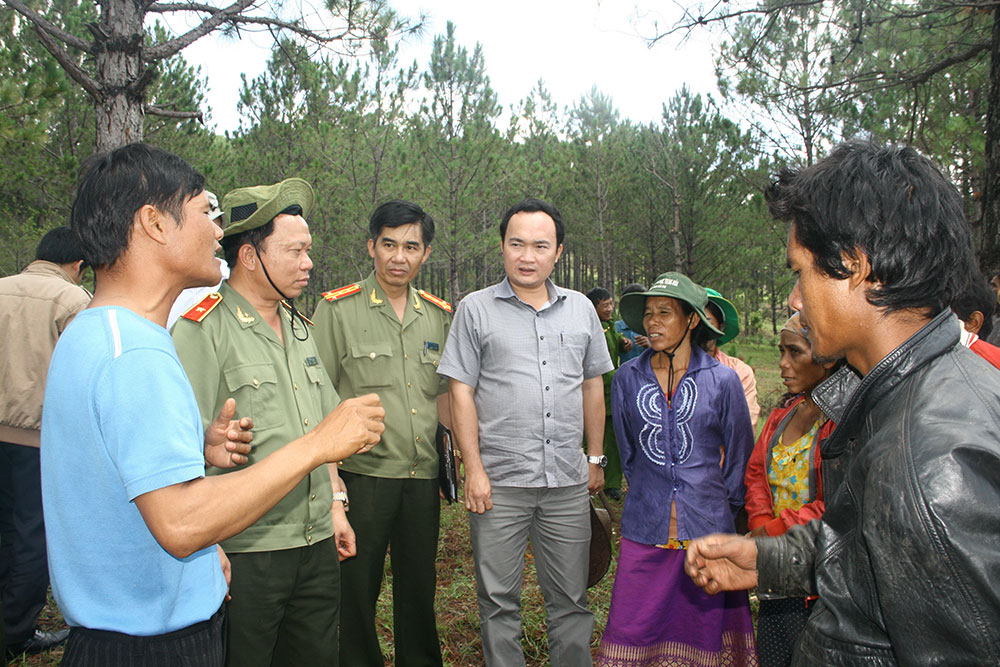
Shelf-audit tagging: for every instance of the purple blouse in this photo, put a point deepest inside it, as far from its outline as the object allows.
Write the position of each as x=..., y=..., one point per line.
x=672, y=455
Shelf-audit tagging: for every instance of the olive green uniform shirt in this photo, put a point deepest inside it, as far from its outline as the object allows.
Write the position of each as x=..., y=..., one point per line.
x=233, y=352
x=366, y=349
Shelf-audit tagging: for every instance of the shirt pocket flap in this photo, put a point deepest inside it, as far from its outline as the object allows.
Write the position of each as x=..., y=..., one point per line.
x=370, y=365
x=250, y=375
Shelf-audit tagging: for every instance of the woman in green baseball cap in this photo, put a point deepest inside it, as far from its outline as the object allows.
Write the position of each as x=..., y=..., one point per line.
x=684, y=436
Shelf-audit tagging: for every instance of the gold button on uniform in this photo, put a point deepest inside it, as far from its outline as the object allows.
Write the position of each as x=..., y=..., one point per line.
x=309, y=539
x=296, y=387
x=406, y=356
x=418, y=438
x=413, y=410
x=413, y=473
x=372, y=356
x=256, y=382
x=306, y=421
x=312, y=497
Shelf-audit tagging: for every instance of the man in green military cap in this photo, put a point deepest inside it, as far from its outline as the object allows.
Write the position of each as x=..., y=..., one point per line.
x=249, y=342
x=382, y=335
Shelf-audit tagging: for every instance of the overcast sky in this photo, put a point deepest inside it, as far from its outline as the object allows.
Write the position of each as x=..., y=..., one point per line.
x=570, y=44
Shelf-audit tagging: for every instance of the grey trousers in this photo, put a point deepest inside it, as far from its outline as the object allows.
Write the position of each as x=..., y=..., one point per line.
x=558, y=523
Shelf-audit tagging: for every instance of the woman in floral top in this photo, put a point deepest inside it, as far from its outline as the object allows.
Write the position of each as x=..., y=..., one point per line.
x=784, y=484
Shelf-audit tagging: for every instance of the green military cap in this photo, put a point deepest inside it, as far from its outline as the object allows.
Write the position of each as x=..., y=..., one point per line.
x=671, y=284
x=255, y=206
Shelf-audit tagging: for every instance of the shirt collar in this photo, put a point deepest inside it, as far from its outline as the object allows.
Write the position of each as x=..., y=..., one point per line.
x=375, y=296
x=504, y=290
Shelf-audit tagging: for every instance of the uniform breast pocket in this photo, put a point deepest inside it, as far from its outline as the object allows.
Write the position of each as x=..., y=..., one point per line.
x=371, y=365
x=255, y=388
x=431, y=381
x=572, y=350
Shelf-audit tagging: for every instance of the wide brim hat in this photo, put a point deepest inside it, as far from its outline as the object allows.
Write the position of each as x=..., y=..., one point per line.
x=255, y=206
x=672, y=284
x=731, y=319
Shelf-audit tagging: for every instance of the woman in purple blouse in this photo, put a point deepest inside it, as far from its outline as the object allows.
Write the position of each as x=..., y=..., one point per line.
x=684, y=434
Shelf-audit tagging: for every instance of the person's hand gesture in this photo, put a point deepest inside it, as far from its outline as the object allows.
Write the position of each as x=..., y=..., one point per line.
x=227, y=440
x=722, y=563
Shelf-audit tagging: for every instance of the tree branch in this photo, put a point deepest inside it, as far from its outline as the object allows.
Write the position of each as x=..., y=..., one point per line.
x=43, y=24
x=155, y=110
x=67, y=62
x=173, y=46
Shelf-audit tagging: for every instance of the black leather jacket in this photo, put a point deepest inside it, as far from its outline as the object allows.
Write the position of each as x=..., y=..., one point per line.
x=906, y=560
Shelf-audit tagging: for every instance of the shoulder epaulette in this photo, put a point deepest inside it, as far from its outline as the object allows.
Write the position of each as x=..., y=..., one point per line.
x=440, y=303
x=200, y=310
x=341, y=292
x=289, y=309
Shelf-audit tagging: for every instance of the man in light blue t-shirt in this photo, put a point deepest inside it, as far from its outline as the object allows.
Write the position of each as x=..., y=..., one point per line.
x=132, y=522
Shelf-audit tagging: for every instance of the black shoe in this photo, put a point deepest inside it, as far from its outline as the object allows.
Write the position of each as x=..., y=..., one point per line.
x=42, y=640
x=614, y=494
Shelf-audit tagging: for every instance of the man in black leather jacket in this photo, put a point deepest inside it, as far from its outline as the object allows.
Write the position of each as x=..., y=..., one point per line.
x=906, y=559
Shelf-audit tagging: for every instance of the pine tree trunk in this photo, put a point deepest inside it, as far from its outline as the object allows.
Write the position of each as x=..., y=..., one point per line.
x=119, y=69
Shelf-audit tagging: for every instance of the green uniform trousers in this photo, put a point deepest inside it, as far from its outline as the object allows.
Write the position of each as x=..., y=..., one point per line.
x=284, y=608
x=403, y=513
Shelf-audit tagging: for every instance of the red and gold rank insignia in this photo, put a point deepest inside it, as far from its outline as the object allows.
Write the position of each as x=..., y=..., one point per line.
x=200, y=310
x=440, y=303
x=341, y=292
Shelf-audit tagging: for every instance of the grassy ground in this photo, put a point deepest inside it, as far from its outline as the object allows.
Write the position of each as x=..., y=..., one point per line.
x=457, y=612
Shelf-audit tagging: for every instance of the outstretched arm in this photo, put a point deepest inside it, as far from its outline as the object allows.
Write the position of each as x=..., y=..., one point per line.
x=192, y=515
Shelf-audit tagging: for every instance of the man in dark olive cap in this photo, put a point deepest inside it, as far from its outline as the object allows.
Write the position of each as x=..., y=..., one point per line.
x=249, y=342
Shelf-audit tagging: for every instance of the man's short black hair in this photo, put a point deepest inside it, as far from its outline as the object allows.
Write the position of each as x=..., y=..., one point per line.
x=398, y=212
x=532, y=205
x=633, y=288
x=59, y=246
x=977, y=296
x=116, y=184
x=598, y=294
x=893, y=205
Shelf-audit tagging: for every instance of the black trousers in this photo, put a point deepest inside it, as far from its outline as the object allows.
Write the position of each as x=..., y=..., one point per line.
x=403, y=513
x=284, y=608
x=198, y=645
x=24, y=570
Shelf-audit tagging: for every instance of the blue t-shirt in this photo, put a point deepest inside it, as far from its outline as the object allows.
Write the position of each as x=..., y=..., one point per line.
x=120, y=420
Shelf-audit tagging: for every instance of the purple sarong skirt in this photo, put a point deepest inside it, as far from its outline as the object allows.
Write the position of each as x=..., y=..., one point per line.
x=660, y=618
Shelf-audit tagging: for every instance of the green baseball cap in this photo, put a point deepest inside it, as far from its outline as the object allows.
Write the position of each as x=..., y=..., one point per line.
x=730, y=318
x=255, y=206
x=671, y=284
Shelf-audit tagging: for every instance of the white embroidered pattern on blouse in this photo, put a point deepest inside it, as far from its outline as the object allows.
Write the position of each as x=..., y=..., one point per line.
x=648, y=402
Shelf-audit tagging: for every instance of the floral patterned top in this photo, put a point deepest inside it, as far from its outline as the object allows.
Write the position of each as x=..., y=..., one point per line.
x=789, y=471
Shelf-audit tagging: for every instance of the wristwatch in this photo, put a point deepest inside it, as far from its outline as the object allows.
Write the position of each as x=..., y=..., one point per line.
x=341, y=496
x=601, y=460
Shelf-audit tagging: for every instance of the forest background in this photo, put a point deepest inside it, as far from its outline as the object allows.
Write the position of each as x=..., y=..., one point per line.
x=337, y=107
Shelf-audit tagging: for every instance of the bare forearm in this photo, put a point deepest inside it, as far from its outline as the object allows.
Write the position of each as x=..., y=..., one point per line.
x=593, y=415
x=465, y=426
x=444, y=409
x=205, y=511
